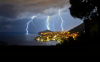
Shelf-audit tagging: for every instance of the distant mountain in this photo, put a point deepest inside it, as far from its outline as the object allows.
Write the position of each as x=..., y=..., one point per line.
x=3, y=43
x=79, y=28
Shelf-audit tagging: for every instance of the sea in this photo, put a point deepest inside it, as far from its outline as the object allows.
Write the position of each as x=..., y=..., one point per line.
x=23, y=40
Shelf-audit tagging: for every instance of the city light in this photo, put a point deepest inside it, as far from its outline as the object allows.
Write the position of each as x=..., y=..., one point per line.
x=56, y=36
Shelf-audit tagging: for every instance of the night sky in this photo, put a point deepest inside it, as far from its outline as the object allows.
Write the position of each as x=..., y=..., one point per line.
x=15, y=14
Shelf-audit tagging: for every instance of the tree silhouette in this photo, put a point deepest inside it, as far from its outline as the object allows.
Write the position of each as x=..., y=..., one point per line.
x=88, y=10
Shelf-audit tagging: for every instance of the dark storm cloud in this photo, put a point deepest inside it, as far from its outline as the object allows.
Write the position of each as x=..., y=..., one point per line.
x=27, y=8
x=14, y=14
x=8, y=11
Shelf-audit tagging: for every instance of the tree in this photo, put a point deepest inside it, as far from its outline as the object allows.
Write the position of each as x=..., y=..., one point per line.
x=88, y=10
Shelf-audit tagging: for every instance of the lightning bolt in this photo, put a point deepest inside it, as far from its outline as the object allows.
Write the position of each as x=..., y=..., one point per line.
x=61, y=20
x=48, y=17
x=28, y=24
x=53, y=27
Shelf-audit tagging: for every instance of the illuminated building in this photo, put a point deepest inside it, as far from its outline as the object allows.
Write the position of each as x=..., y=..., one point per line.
x=56, y=36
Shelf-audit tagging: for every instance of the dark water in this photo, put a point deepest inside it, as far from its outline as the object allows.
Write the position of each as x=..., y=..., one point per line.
x=20, y=39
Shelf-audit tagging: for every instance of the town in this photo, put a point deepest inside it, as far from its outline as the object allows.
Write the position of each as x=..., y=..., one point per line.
x=56, y=36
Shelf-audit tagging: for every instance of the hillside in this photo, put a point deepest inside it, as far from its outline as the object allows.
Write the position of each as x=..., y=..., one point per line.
x=79, y=28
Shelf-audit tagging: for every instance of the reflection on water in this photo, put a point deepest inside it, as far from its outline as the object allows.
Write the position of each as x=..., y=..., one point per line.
x=24, y=40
